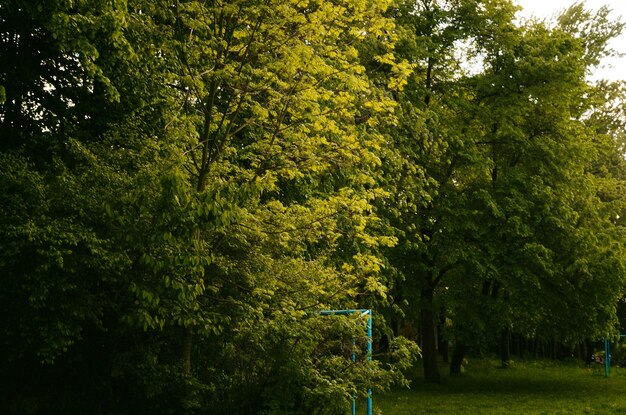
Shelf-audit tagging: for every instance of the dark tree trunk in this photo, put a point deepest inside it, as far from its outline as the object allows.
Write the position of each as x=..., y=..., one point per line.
x=458, y=354
x=441, y=340
x=429, y=337
x=505, y=348
x=516, y=345
x=187, y=340
x=444, y=350
x=395, y=326
x=588, y=352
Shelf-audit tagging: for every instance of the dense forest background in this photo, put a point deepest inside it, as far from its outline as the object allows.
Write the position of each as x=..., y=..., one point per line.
x=184, y=185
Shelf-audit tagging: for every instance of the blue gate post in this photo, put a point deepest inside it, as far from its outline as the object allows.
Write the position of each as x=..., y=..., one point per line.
x=363, y=312
x=607, y=357
x=369, y=359
x=354, y=395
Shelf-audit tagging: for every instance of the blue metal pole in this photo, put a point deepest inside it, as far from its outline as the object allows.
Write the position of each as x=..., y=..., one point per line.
x=354, y=395
x=369, y=348
x=369, y=359
x=607, y=357
x=342, y=312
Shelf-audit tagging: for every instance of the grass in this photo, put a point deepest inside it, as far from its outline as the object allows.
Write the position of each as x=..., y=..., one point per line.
x=534, y=387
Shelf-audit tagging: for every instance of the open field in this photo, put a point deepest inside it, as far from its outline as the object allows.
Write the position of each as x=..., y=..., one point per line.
x=534, y=387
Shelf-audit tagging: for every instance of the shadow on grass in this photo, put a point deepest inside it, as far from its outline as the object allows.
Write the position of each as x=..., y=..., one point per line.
x=533, y=378
x=527, y=388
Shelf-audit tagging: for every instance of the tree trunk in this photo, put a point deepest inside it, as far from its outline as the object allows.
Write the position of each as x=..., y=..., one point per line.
x=441, y=340
x=505, y=348
x=516, y=345
x=444, y=349
x=187, y=339
x=395, y=326
x=458, y=354
x=588, y=352
x=429, y=337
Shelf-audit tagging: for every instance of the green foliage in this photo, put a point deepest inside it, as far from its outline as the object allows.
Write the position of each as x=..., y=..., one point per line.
x=492, y=175
x=300, y=366
x=184, y=185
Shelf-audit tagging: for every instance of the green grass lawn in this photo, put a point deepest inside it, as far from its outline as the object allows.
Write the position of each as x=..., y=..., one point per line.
x=535, y=387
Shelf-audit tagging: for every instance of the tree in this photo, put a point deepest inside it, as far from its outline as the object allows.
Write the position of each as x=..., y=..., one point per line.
x=437, y=162
x=195, y=170
x=491, y=195
x=550, y=226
